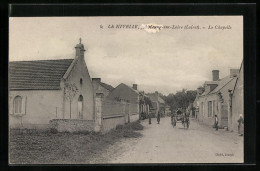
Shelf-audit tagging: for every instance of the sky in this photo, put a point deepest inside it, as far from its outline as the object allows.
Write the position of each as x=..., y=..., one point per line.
x=164, y=60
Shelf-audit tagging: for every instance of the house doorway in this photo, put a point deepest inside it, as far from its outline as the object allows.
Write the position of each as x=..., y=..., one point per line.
x=224, y=116
x=80, y=107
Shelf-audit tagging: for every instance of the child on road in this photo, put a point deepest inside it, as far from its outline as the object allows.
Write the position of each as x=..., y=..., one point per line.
x=158, y=117
x=216, y=122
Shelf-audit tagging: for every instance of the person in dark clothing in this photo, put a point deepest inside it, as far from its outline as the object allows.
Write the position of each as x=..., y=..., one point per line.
x=158, y=117
x=149, y=116
x=240, y=125
x=172, y=115
x=216, y=122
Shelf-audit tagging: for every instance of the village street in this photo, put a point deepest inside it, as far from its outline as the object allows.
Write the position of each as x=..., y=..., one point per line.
x=161, y=143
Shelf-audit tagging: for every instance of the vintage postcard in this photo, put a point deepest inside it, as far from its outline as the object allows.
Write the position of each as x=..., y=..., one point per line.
x=136, y=89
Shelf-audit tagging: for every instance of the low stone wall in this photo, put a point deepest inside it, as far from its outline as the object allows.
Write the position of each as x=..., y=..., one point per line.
x=72, y=125
x=110, y=122
x=29, y=126
x=134, y=117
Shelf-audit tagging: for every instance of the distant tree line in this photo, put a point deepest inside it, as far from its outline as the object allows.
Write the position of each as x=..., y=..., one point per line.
x=181, y=99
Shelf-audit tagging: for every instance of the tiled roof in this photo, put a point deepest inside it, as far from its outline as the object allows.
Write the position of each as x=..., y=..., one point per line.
x=37, y=75
x=221, y=83
x=153, y=97
x=136, y=91
x=106, y=86
x=161, y=100
x=124, y=85
x=240, y=75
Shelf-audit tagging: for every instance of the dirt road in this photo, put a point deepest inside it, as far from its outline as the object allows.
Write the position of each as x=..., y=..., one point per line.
x=161, y=143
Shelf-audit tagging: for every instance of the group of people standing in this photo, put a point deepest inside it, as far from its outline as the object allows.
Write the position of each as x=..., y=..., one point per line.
x=240, y=124
x=240, y=121
x=158, y=118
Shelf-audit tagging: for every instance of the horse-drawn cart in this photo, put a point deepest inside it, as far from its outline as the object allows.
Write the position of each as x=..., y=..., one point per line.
x=180, y=117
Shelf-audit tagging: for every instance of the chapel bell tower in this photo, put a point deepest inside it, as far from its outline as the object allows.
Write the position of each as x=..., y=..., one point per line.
x=80, y=49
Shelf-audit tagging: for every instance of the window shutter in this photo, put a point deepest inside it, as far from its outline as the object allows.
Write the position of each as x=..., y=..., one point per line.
x=11, y=105
x=24, y=101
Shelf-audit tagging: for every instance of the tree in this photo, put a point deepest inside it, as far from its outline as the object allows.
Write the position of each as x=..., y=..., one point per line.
x=70, y=91
x=181, y=99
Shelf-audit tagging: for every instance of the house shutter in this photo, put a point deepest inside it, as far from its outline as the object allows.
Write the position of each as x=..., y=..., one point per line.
x=11, y=105
x=24, y=102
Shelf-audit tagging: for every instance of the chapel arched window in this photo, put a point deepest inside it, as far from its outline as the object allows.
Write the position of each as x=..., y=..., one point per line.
x=18, y=104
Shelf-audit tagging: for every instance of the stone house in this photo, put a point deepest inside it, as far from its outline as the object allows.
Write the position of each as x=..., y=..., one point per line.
x=190, y=109
x=100, y=87
x=43, y=90
x=158, y=104
x=237, y=101
x=196, y=107
x=144, y=105
x=167, y=110
x=200, y=90
x=120, y=106
x=213, y=98
x=127, y=94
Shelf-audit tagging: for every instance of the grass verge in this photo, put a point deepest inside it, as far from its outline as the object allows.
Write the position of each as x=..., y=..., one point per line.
x=65, y=148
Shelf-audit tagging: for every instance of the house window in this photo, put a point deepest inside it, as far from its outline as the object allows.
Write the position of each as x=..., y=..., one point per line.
x=18, y=104
x=202, y=108
x=210, y=111
x=214, y=107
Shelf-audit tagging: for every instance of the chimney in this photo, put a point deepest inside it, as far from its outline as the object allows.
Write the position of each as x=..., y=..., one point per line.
x=96, y=80
x=80, y=49
x=135, y=86
x=234, y=73
x=215, y=75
